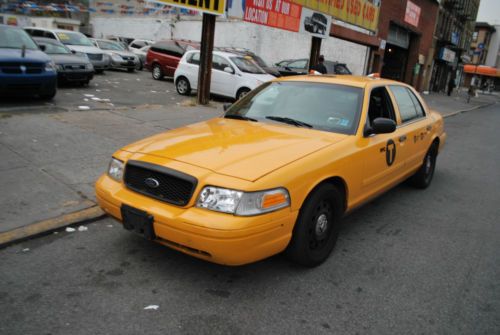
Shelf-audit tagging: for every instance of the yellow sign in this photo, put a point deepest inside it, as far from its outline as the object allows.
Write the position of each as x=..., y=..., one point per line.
x=216, y=7
x=362, y=13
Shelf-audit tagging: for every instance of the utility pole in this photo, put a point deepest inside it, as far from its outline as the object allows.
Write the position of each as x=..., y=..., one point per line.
x=207, y=47
x=315, y=51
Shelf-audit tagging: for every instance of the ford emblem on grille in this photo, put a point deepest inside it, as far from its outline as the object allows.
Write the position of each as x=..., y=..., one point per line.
x=152, y=183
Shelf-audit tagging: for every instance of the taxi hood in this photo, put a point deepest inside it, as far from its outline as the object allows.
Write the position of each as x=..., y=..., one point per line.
x=241, y=149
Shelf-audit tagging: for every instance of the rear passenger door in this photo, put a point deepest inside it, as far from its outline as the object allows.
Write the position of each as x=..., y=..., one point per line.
x=413, y=124
x=222, y=82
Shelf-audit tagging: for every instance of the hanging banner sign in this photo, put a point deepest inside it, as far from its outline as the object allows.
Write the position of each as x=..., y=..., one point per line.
x=282, y=15
x=361, y=13
x=216, y=7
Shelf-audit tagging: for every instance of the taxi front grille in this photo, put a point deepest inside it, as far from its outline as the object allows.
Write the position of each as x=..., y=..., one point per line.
x=159, y=182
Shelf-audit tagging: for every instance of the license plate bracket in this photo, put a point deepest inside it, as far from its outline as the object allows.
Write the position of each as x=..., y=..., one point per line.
x=138, y=221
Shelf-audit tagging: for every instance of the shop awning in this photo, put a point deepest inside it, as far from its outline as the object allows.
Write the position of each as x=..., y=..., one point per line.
x=482, y=70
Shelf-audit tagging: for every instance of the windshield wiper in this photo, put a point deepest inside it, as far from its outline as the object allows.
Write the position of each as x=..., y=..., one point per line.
x=240, y=117
x=289, y=121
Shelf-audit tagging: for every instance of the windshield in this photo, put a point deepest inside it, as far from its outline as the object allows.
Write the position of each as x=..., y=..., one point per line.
x=247, y=65
x=55, y=49
x=109, y=45
x=15, y=38
x=259, y=61
x=74, y=39
x=328, y=107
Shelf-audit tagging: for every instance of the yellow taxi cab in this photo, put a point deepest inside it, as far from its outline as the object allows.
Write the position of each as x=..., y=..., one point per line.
x=277, y=171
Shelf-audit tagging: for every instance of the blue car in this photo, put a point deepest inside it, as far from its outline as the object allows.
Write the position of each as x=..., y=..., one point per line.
x=24, y=69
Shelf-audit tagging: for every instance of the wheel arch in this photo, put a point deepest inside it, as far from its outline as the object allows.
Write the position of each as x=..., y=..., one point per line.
x=336, y=181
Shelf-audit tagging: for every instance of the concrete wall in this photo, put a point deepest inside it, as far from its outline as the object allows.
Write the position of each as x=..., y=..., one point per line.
x=271, y=44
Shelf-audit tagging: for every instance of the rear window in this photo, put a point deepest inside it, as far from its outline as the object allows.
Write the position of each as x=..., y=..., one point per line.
x=328, y=107
x=409, y=107
x=169, y=48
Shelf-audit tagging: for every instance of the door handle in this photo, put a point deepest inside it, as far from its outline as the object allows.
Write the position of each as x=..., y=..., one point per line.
x=402, y=138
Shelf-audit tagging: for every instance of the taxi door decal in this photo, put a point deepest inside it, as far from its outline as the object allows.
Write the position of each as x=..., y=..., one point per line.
x=390, y=152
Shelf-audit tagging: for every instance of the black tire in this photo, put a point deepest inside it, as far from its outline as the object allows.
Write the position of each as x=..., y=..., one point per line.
x=157, y=72
x=242, y=92
x=423, y=177
x=99, y=71
x=49, y=96
x=139, y=66
x=182, y=86
x=317, y=227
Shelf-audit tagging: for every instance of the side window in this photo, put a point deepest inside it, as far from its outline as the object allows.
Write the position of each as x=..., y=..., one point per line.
x=299, y=64
x=194, y=58
x=407, y=107
x=418, y=105
x=158, y=47
x=173, y=49
x=219, y=63
x=37, y=33
x=48, y=34
x=380, y=105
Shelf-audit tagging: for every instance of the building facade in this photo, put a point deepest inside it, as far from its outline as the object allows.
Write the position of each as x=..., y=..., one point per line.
x=480, y=44
x=406, y=30
x=453, y=36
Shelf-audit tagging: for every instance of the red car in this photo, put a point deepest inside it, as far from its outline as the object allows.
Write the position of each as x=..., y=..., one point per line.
x=163, y=56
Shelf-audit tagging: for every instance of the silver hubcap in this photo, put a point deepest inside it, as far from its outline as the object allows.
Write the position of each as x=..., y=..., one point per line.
x=182, y=86
x=242, y=94
x=321, y=224
x=156, y=72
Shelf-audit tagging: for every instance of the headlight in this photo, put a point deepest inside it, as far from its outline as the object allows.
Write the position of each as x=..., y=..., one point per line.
x=89, y=66
x=50, y=66
x=116, y=57
x=115, y=169
x=59, y=67
x=242, y=203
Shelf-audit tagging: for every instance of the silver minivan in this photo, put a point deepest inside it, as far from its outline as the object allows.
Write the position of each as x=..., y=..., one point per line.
x=76, y=42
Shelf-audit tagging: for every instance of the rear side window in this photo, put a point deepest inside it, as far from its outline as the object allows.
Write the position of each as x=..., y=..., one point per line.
x=194, y=58
x=48, y=34
x=36, y=33
x=409, y=107
x=169, y=48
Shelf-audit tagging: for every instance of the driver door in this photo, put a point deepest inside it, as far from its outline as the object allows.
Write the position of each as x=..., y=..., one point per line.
x=381, y=155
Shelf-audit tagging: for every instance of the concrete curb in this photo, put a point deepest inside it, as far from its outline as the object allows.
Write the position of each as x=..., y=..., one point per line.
x=468, y=110
x=43, y=227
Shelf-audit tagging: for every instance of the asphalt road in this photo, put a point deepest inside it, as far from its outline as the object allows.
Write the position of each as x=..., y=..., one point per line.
x=410, y=262
x=107, y=91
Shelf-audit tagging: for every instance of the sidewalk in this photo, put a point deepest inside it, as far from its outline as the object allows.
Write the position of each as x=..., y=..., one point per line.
x=50, y=161
x=457, y=102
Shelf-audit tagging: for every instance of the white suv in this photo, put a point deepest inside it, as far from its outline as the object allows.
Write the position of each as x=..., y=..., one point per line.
x=232, y=75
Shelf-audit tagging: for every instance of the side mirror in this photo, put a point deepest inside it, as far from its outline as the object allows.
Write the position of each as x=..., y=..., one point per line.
x=227, y=106
x=381, y=125
x=42, y=47
x=228, y=70
x=73, y=52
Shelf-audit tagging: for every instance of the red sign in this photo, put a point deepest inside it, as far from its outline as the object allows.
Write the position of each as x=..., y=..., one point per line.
x=412, y=14
x=273, y=13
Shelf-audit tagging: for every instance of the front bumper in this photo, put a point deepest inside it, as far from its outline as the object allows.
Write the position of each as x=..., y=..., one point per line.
x=100, y=64
x=25, y=84
x=192, y=230
x=75, y=76
x=123, y=64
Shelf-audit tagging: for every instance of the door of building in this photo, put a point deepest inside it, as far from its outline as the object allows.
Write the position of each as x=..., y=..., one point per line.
x=395, y=60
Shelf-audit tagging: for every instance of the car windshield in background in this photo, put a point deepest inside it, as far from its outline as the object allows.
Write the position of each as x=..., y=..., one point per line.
x=247, y=65
x=109, y=45
x=55, y=49
x=328, y=107
x=259, y=61
x=74, y=39
x=15, y=38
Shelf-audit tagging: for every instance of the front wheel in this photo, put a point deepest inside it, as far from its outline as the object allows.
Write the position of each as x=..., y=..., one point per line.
x=139, y=66
x=242, y=92
x=423, y=177
x=182, y=86
x=317, y=227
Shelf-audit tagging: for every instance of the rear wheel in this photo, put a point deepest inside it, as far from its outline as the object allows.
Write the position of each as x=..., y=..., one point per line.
x=182, y=86
x=423, y=177
x=157, y=72
x=317, y=227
